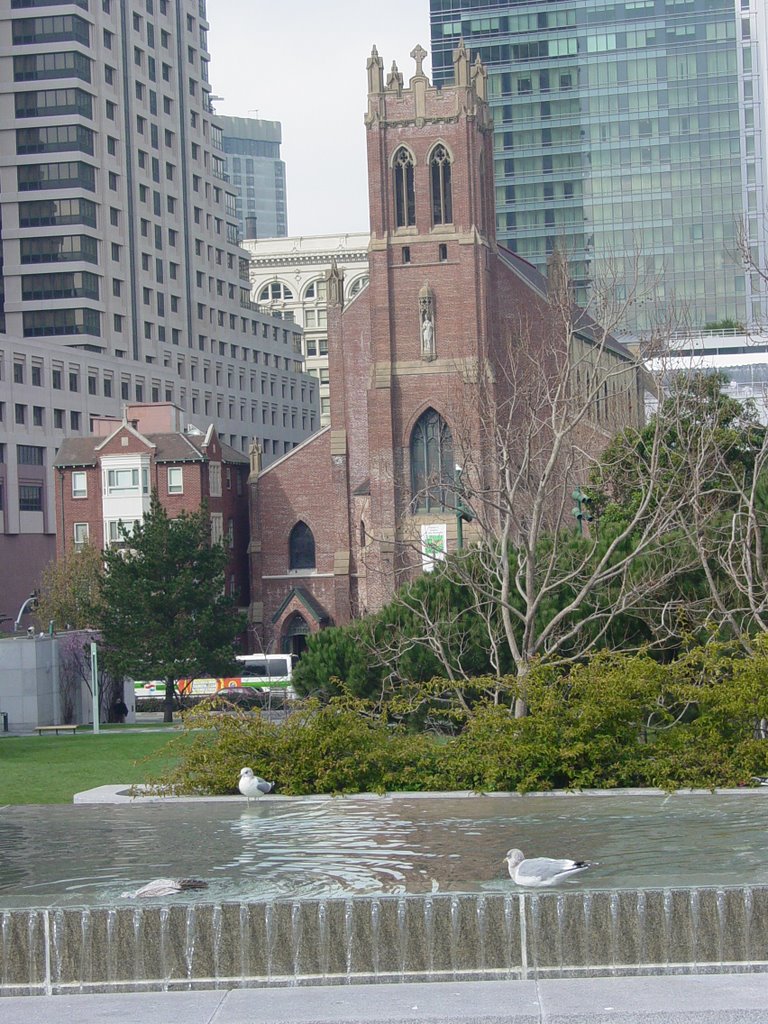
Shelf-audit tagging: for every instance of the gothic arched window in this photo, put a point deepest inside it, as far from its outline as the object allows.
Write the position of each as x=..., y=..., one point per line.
x=301, y=547
x=405, y=197
x=440, y=173
x=432, y=466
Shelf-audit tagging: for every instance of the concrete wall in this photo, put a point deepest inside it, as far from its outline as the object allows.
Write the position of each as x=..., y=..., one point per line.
x=29, y=683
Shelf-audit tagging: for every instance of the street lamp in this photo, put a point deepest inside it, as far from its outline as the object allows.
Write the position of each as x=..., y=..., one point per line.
x=28, y=604
x=582, y=509
x=463, y=512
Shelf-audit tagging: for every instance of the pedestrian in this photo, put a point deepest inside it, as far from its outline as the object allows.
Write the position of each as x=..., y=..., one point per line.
x=119, y=710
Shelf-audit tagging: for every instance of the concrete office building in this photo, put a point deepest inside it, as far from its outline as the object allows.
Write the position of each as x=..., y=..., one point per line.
x=257, y=175
x=288, y=278
x=122, y=279
x=632, y=134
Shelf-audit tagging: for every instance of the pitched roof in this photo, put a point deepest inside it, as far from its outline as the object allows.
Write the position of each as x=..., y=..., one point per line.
x=176, y=447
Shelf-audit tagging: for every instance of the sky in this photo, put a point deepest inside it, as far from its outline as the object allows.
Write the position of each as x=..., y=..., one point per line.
x=302, y=62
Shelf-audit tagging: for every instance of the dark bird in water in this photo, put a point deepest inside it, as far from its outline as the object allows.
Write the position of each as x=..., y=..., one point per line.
x=166, y=887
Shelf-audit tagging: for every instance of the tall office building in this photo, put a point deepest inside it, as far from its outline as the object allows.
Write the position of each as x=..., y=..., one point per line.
x=122, y=278
x=257, y=175
x=632, y=133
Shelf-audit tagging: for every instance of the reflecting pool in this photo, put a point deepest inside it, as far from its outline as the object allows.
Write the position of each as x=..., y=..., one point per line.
x=86, y=854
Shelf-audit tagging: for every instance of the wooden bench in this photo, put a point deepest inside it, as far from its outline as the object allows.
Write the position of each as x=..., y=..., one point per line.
x=56, y=728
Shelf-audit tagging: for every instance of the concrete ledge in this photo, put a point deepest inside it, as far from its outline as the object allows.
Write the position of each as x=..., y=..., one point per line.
x=443, y=937
x=121, y=794
x=708, y=999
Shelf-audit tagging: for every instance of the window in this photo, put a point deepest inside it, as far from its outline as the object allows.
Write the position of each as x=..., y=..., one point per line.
x=432, y=466
x=275, y=292
x=116, y=531
x=405, y=199
x=214, y=480
x=301, y=547
x=30, y=497
x=30, y=455
x=175, y=480
x=79, y=484
x=440, y=176
x=217, y=527
x=123, y=481
x=80, y=535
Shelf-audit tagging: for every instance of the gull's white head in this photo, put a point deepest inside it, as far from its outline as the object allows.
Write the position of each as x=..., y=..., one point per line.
x=513, y=858
x=246, y=773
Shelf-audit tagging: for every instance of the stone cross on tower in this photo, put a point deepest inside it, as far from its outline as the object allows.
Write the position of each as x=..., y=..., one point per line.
x=419, y=54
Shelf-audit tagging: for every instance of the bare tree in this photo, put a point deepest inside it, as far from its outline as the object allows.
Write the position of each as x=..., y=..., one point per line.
x=550, y=585
x=75, y=674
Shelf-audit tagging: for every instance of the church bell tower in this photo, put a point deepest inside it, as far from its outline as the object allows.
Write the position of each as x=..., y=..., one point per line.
x=432, y=249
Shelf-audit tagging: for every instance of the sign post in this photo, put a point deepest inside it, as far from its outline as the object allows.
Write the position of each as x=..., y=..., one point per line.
x=95, y=686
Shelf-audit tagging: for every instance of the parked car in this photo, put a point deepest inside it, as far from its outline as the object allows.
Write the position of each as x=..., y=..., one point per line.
x=243, y=696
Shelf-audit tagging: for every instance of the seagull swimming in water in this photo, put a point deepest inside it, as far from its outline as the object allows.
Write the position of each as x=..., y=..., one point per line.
x=540, y=871
x=165, y=887
x=251, y=785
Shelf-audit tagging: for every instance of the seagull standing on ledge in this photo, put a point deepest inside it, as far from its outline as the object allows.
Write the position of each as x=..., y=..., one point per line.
x=251, y=785
x=540, y=871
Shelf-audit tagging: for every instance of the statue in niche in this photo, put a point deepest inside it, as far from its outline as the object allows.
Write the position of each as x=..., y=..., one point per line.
x=427, y=322
x=427, y=338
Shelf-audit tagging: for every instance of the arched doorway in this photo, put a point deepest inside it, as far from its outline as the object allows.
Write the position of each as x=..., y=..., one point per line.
x=295, y=637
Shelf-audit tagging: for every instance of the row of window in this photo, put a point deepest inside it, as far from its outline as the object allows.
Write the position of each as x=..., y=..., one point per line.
x=21, y=417
x=117, y=532
x=439, y=163
x=134, y=480
x=278, y=291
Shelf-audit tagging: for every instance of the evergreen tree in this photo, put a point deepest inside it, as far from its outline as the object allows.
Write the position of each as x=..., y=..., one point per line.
x=165, y=613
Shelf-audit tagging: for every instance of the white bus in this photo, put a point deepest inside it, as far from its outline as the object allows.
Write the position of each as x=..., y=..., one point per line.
x=267, y=672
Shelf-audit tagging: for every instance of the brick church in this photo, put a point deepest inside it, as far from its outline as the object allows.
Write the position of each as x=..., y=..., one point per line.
x=337, y=524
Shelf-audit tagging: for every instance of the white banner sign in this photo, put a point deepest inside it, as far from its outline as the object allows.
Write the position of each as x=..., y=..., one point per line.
x=434, y=543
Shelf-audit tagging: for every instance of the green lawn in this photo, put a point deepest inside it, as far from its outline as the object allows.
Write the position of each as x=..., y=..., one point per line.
x=51, y=769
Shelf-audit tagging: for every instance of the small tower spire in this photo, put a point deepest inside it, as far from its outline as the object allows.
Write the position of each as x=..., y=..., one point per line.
x=461, y=65
x=479, y=77
x=335, y=285
x=395, y=80
x=375, y=68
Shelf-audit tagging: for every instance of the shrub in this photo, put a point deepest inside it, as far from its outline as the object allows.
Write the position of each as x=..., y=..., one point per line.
x=616, y=720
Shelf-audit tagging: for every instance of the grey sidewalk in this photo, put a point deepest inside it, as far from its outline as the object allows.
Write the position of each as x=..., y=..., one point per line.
x=704, y=999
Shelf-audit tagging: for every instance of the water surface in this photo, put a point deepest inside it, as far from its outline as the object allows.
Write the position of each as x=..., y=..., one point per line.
x=91, y=854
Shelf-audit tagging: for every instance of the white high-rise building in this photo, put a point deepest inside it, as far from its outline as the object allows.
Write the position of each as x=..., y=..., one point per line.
x=121, y=275
x=288, y=277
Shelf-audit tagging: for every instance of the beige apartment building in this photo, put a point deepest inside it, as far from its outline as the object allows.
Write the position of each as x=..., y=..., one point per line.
x=288, y=280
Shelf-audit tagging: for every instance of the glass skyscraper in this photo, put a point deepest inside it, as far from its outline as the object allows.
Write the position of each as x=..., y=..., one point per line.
x=631, y=134
x=257, y=175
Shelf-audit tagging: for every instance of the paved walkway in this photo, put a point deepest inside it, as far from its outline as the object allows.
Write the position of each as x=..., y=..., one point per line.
x=692, y=999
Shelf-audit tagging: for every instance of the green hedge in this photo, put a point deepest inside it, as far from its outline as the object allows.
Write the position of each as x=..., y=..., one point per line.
x=618, y=720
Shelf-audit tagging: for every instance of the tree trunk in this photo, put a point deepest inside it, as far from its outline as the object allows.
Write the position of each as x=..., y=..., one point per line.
x=169, y=695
